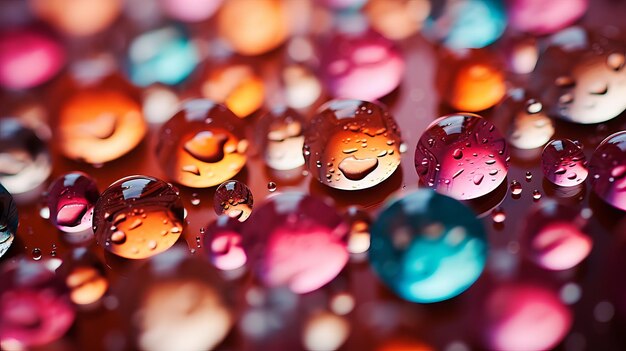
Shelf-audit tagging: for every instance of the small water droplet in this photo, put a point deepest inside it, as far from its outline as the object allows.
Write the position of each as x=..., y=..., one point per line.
x=271, y=186
x=498, y=215
x=118, y=237
x=516, y=188
x=36, y=253
x=536, y=195
x=457, y=154
x=478, y=178
x=529, y=176
x=195, y=199
x=152, y=244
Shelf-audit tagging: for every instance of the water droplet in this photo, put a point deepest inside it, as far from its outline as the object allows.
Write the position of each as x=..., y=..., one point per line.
x=36, y=254
x=271, y=186
x=195, y=199
x=563, y=163
x=529, y=176
x=516, y=188
x=536, y=195
x=280, y=135
x=607, y=163
x=464, y=179
x=364, y=146
x=234, y=199
x=498, y=215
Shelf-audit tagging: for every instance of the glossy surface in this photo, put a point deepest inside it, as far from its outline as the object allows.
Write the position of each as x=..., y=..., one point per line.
x=280, y=137
x=202, y=145
x=544, y=17
x=222, y=243
x=462, y=156
x=296, y=240
x=235, y=85
x=427, y=247
x=138, y=217
x=352, y=144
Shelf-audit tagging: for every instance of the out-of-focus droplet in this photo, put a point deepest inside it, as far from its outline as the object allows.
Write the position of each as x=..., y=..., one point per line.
x=529, y=176
x=485, y=159
x=563, y=163
x=302, y=87
x=234, y=199
x=342, y=303
x=352, y=145
x=397, y=19
x=523, y=55
x=351, y=61
x=296, y=240
x=238, y=23
x=466, y=24
x=134, y=211
x=608, y=170
x=24, y=158
x=35, y=309
x=8, y=220
x=271, y=186
x=359, y=237
x=516, y=188
x=36, y=254
x=202, y=145
x=553, y=238
x=476, y=86
x=536, y=195
x=160, y=103
x=531, y=128
x=325, y=331
x=195, y=199
x=539, y=17
x=280, y=137
x=28, y=58
x=498, y=215
x=84, y=276
x=423, y=254
x=175, y=301
x=514, y=310
x=592, y=92
x=80, y=18
x=71, y=199
x=222, y=243
x=236, y=86
x=100, y=125
x=163, y=55
x=190, y=10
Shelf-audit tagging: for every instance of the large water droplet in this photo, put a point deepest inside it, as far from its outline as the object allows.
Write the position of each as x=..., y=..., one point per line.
x=563, y=163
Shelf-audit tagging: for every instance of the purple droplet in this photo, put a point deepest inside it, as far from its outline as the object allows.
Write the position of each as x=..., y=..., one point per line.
x=453, y=136
x=71, y=199
x=516, y=188
x=563, y=163
x=608, y=170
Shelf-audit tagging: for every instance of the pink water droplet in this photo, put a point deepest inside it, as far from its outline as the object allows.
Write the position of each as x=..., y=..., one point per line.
x=474, y=136
x=608, y=167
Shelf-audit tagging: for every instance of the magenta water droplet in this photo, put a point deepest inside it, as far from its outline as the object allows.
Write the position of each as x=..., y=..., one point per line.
x=234, y=199
x=563, y=163
x=296, y=240
x=222, y=243
x=486, y=171
x=608, y=167
x=71, y=199
x=516, y=188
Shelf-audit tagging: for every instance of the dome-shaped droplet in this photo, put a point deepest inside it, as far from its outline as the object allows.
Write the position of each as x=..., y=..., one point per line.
x=352, y=144
x=8, y=220
x=529, y=127
x=553, y=237
x=563, y=163
x=202, y=145
x=352, y=61
x=516, y=188
x=100, y=125
x=24, y=158
x=84, y=276
x=234, y=199
x=536, y=195
x=608, y=170
x=481, y=170
x=476, y=86
x=237, y=86
x=422, y=252
x=498, y=215
x=71, y=199
x=271, y=187
x=280, y=137
x=222, y=243
x=34, y=305
x=296, y=240
x=135, y=210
